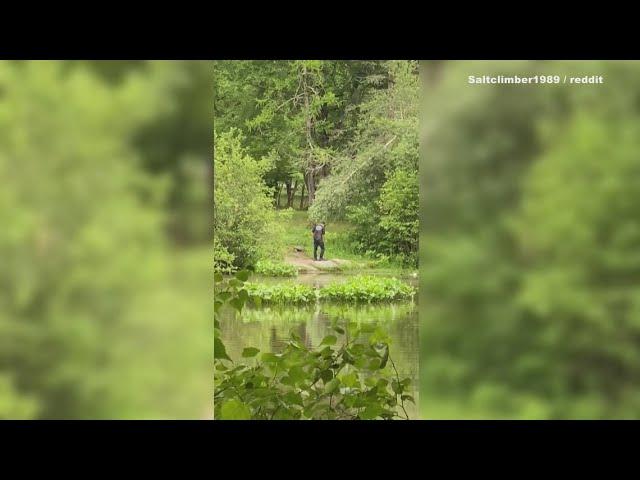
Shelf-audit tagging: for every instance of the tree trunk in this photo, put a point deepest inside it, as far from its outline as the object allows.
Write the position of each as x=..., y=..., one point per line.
x=302, y=194
x=311, y=187
x=278, y=192
x=292, y=195
x=288, y=185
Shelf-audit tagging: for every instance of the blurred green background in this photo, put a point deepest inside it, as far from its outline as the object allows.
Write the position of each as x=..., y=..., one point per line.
x=105, y=185
x=530, y=266
x=530, y=242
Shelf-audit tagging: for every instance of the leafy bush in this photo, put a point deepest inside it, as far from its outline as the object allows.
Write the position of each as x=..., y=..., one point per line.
x=367, y=289
x=360, y=289
x=273, y=245
x=398, y=206
x=276, y=269
x=355, y=379
x=282, y=293
x=243, y=214
x=222, y=258
x=389, y=226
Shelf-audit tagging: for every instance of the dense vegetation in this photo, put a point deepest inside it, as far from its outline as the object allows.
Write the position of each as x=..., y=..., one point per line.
x=281, y=293
x=356, y=289
x=530, y=265
x=339, y=138
x=367, y=289
x=275, y=269
x=299, y=142
x=104, y=270
x=353, y=378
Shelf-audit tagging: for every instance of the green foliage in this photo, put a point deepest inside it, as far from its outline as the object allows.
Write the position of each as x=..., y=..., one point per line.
x=530, y=242
x=367, y=289
x=347, y=382
x=243, y=215
x=223, y=260
x=398, y=206
x=282, y=293
x=276, y=269
x=356, y=289
x=273, y=246
x=173, y=143
x=14, y=405
x=375, y=186
x=349, y=376
x=92, y=323
x=345, y=132
x=388, y=228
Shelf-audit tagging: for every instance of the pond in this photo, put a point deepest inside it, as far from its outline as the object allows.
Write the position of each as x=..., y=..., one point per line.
x=267, y=328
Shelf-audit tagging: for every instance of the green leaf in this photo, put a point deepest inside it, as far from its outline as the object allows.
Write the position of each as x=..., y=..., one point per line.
x=372, y=411
x=269, y=358
x=374, y=364
x=217, y=277
x=397, y=387
x=243, y=295
x=293, y=398
x=243, y=276
x=296, y=373
x=223, y=296
x=350, y=380
x=237, y=303
x=326, y=376
x=219, y=351
x=329, y=340
x=250, y=352
x=332, y=386
x=235, y=410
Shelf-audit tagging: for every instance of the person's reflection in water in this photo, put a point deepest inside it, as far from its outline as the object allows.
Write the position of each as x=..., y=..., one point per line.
x=275, y=343
x=304, y=335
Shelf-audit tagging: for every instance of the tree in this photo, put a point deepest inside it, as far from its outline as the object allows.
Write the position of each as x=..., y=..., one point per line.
x=243, y=213
x=384, y=151
x=527, y=245
x=72, y=205
x=299, y=113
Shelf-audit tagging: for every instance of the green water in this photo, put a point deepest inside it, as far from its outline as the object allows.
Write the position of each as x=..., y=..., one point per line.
x=268, y=328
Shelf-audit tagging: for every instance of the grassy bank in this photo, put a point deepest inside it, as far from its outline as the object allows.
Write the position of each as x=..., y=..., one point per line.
x=337, y=246
x=356, y=289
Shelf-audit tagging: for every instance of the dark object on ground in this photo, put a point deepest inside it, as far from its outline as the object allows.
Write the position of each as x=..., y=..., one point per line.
x=298, y=249
x=316, y=244
x=318, y=240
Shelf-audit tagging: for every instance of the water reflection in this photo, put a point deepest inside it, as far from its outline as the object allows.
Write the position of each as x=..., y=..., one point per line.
x=268, y=328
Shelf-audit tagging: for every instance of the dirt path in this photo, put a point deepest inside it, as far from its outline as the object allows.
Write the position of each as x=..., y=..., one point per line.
x=309, y=265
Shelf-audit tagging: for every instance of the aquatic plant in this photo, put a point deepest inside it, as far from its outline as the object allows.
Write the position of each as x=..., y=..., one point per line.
x=281, y=293
x=276, y=269
x=367, y=289
x=349, y=376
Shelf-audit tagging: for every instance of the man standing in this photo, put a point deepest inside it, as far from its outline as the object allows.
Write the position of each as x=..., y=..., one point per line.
x=318, y=240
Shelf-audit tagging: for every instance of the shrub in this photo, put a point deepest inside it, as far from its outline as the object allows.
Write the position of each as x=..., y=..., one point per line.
x=243, y=213
x=392, y=221
x=354, y=379
x=222, y=258
x=358, y=289
x=282, y=293
x=276, y=269
x=367, y=289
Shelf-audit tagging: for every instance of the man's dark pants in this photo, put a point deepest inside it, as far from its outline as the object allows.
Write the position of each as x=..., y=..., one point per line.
x=316, y=244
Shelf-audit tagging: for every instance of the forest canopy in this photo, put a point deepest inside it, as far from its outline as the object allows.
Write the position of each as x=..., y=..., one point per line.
x=340, y=139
